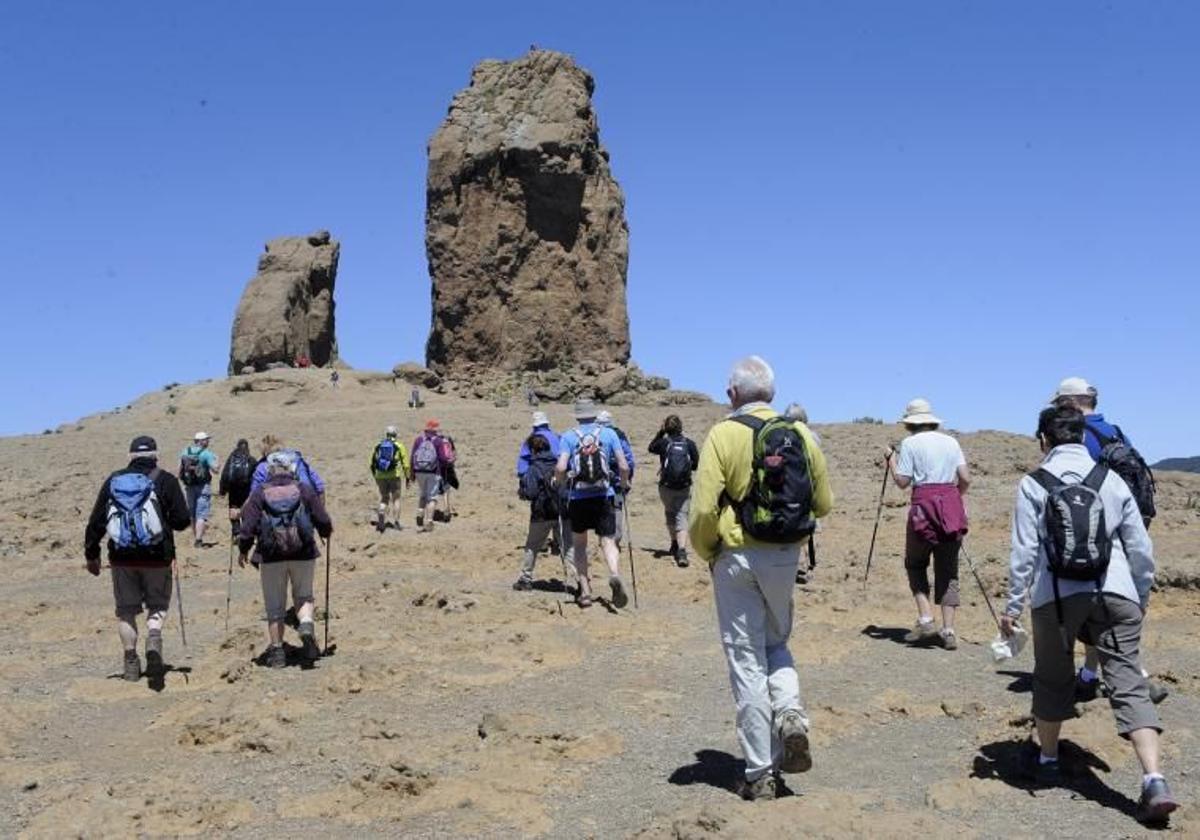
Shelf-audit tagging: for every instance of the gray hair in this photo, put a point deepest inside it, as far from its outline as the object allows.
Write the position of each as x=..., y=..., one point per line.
x=795, y=411
x=753, y=380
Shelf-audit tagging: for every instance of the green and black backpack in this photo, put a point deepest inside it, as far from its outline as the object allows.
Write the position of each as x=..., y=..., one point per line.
x=778, y=506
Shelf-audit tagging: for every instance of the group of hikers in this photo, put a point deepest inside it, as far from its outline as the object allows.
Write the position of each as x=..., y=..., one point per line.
x=747, y=503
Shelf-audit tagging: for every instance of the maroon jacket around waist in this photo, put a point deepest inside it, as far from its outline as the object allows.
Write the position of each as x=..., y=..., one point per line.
x=937, y=514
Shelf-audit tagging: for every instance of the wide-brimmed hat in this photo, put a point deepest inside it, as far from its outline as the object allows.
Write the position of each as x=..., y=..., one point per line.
x=585, y=409
x=1074, y=386
x=540, y=419
x=390, y=431
x=919, y=413
x=431, y=424
x=199, y=436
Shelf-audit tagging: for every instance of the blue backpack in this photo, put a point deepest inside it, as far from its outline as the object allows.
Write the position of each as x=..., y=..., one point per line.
x=134, y=514
x=385, y=456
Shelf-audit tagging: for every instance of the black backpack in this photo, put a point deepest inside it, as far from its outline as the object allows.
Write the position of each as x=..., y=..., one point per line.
x=676, y=470
x=1127, y=462
x=193, y=471
x=538, y=489
x=241, y=469
x=778, y=506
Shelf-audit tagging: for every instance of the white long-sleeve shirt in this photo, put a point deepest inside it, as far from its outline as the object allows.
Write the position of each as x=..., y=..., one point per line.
x=1131, y=567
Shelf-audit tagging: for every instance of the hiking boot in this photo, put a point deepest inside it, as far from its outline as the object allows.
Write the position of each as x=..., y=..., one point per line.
x=198, y=544
x=619, y=597
x=674, y=552
x=523, y=584
x=133, y=666
x=949, y=639
x=762, y=789
x=276, y=656
x=1041, y=774
x=1086, y=690
x=1156, y=803
x=308, y=638
x=681, y=558
x=794, y=733
x=154, y=660
x=922, y=631
x=1158, y=692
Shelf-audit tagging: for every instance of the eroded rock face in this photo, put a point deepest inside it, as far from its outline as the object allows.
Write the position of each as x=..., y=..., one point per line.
x=286, y=310
x=525, y=227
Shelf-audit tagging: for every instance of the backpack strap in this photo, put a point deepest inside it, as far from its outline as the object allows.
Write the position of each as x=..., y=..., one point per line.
x=750, y=421
x=1096, y=477
x=1048, y=480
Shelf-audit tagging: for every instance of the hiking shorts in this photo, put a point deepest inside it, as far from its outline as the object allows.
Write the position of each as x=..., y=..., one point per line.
x=430, y=487
x=594, y=514
x=675, y=506
x=1114, y=625
x=138, y=586
x=199, y=499
x=275, y=578
x=945, y=568
x=389, y=489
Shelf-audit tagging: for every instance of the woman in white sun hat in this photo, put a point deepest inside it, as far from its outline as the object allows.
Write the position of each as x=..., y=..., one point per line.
x=932, y=463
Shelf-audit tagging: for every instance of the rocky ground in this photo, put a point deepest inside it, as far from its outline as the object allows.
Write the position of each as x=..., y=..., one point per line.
x=453, y=705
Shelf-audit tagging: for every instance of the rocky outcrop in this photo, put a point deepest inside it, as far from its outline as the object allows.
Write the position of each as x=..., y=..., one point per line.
x=286, y=310
x=525, y=228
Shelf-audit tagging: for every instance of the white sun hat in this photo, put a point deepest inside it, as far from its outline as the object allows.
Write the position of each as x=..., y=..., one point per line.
x=390, y=431
x=199, y=436
x=1074, y=386
x=919, y=413
x=540, y=419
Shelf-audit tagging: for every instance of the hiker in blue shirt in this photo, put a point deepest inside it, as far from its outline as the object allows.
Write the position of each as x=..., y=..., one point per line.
x=197, y=465
x=541, y=427
x=585, y=456
x=604, y=418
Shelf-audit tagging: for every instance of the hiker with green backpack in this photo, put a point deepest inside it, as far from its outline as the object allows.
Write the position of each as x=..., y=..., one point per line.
x=136, y=511
x=197, y=464
x=1082, y=559
x=390, y=469
x=1108, y=445
x=761, y=485
x=678, y=459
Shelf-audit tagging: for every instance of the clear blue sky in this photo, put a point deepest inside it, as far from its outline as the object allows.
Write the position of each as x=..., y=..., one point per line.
x=961, y=200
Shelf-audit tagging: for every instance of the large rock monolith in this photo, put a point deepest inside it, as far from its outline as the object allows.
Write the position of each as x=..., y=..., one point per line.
x=525, y=230
x=286, y=310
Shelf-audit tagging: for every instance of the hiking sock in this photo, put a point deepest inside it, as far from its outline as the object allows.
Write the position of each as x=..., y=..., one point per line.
x=925, y=620
x=1147, y=778
x=1044, y=759
x=1087, y=676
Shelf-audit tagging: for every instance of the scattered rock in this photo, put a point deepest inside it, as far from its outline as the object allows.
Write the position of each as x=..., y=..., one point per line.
x=491, y=725
x=415, y=374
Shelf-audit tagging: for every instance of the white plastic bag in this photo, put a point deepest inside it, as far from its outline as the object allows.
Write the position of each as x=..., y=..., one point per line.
x=1009, y=647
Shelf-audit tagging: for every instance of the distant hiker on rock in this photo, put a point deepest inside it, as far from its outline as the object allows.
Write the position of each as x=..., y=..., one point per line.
x=334, y=378
x=531, y=397
x=390, y=468
x=306, y=473
x=281, y=520
x=432, y=453
x=678, y=458
x=585, y=457
x=604, y=418
x=137, y=509
x=761, y=482
x=236, y=478
x=1082, y=558
x=541, y=428
x=197, y=463
x=414, y=398
x=1108, y=445
x=932, y=463
x=537, y=487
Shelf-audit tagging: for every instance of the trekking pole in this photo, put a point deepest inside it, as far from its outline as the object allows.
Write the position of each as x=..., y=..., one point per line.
x=179, y=603
x=562, y=548
x=875, y=531
x=229, y=587
x=987, y=599
x=629, y=543
x=328, y=563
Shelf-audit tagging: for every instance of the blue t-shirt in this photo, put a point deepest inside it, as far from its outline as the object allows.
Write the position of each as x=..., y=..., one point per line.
x=204, y=455
x=1105, y=428
x=609, y=442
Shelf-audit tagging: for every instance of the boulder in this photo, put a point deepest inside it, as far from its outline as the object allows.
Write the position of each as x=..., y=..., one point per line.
x=415, y=374
x=286, y=310
x=525, y=228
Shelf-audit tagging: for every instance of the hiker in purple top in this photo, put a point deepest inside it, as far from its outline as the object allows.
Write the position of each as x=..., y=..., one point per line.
x=932, y=463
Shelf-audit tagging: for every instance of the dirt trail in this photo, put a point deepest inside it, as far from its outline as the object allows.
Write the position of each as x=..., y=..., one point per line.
x=454, y=705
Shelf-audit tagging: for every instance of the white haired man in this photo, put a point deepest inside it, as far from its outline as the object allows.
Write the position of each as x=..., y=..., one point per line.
x=754, y=571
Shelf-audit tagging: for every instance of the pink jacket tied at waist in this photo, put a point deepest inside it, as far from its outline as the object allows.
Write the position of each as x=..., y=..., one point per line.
x=937, y=514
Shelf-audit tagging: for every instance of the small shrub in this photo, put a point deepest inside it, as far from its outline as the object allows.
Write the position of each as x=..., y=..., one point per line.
x=171, y=409
x=870, y=421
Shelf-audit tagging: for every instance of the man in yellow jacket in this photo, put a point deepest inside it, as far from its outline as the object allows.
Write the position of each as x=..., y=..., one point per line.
x=390, y=467
x=753, y=579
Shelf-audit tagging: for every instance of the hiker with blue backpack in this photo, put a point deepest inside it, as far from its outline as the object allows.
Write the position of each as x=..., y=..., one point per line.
x=678, y=458
x=604, y=418
x=281, y=521
x=1108, y=445
x=432, y=456
x=391, y=470
x=1082, y=559
x=540, y=428
x=585, y=456
x=197, y=463
x=536, y=485
x=761, y=486
x=306, y=473
x=137, y=509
